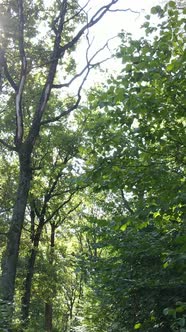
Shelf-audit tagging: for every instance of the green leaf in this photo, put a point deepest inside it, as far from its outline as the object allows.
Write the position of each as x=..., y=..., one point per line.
x=172, y=4
x=137, y=326
x=156, y=10
x=170, y=67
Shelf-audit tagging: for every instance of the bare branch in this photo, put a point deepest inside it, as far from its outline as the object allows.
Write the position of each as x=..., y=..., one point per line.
x=73, y=107
x=88, y=67
x=50, y=192
x=88, y=64
x=95, y=18
x=19, y=113
x=40, y=214
x=73, y=209
x=66, y=85
x=123, y=10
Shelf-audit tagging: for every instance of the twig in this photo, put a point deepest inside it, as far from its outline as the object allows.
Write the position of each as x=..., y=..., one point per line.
x=123, y=10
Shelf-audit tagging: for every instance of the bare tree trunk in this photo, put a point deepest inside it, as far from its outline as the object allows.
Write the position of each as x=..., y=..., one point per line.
x=10, y=258
x=30, y=272
x=49, y=305
x=48, y=317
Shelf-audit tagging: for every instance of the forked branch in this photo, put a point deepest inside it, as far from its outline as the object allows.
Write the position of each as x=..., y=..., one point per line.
x=89, y=65
x=58, y=53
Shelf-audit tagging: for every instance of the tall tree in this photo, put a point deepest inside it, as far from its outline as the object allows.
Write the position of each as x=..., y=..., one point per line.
x=29, y=65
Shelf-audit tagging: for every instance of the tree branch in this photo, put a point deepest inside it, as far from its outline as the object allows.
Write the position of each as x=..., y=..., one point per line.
x=126, y=203
x=123, y=10
x=35, y=127
x=9, y=77
x=79, y=12
x=73, y=107
x=58, y=53
x=59, y=207
x=88, y=64
x=4, y=70
x=95, y=18
x=19, y=113
x=88, y=67
x=69, y=212
x=8, y=146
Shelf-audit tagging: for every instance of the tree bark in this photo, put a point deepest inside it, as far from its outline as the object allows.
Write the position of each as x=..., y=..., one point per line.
x=49, y=304
x=10, y=258
x=48, y=317
x=30, y=272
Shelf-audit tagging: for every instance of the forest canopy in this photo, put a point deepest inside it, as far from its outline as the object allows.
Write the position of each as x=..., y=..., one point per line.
x=92, y=194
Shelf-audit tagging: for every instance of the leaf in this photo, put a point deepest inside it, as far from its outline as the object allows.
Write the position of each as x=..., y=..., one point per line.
x=170, y=67
x=172, y=4
x=137, y=326
x=156, y=10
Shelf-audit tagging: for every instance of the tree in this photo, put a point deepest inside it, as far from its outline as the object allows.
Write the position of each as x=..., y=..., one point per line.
x=136, y=144
x=51, y=192
x=29, y=84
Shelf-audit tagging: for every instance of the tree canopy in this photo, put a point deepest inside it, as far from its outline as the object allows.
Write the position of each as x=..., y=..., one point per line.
x=93, y=206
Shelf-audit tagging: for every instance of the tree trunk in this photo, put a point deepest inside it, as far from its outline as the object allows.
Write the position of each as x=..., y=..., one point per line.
x=30, y=272
x=48, y=317
x=49, y=305
x=10, y=257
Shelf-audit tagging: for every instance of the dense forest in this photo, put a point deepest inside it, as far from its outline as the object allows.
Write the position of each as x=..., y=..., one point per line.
x=92, y=180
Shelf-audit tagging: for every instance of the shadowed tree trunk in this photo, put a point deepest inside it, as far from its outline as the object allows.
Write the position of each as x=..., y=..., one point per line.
x=48, y=317
x=10, y=257
x=30, y=272
x=49, y=305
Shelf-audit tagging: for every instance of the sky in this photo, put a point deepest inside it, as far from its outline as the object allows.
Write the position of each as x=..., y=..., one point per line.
x=110, y=25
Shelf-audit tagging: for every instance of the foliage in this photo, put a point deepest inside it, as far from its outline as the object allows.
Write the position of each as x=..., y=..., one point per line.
x=101, y=233
x=135, y=138
x=37, y=63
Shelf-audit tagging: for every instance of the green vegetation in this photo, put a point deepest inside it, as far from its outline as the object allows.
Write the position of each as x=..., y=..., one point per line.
x=92, y=207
